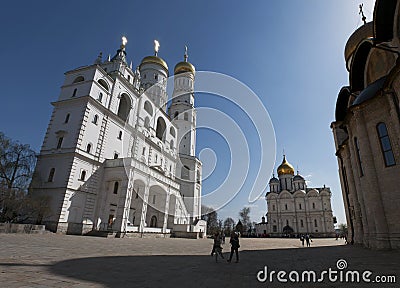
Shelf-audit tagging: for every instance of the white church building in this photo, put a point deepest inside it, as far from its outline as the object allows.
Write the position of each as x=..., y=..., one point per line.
x=115, y=159
x=294, y=208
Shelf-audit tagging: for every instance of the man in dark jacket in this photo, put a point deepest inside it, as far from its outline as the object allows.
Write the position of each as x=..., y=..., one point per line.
x=234, y=246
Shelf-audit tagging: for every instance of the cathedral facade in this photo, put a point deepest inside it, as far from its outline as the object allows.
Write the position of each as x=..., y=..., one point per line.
x=115, y=158
x=367, y=128
x=295, y=209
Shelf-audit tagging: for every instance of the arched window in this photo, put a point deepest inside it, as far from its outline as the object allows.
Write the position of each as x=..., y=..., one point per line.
x=116, y=185
x=66, y=118
x=315, y=223
x=198, y=177
x=386, y=146
x=285, y=206
x=160, y=131
x=147, y=123
x=120, y=135
x=89, y=148
x=79, y=79
x=124, y=107
x=185, y=116
x=95, y=119
x=313, y=205
x=148, y=108
x=358, y=156
x=172, y=131
x=83, y=175
x=171, y=144
x=153, y=221
x=100, y=98
x=103, y=84
x=185, y=172
x=301, y=223
x=59, y=143
x=51, y=175
x=74, y=93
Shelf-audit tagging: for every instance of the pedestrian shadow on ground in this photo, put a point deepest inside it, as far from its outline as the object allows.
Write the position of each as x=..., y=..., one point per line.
x=202, y=271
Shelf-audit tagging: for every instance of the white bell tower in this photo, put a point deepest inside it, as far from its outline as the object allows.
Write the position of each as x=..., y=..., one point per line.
x=183, y=114
x=182, y=106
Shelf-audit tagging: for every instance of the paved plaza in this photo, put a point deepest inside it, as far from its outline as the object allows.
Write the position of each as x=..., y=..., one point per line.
x=53, y=260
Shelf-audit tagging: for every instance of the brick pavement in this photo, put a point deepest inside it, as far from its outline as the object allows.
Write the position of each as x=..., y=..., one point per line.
x=53, y=260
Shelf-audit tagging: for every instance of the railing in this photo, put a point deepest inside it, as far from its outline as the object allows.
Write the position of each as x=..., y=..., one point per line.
x=132, y=229
x=131, y=162
x=155, y=230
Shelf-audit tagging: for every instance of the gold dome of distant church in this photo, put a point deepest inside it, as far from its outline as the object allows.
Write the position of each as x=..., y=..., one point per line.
x=285, y=167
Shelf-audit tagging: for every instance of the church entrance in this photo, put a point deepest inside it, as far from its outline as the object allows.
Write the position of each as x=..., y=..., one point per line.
x=110, y=221
x=153, y=222
x=287, y=231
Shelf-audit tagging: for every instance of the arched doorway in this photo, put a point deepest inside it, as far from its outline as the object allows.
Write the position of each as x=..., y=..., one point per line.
x=287, y=230
x=160, y=130
x=153, y=221
x=124, y=107
x=156, y=207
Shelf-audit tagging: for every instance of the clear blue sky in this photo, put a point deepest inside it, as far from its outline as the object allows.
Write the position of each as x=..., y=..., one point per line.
x=289, y=52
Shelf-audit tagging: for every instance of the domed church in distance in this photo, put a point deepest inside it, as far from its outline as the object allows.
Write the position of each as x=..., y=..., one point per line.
x=295, y=209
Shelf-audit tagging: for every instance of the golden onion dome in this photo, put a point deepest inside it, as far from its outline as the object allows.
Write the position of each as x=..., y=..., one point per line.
x=154, y=60
x=183, y=67
x=285, y=168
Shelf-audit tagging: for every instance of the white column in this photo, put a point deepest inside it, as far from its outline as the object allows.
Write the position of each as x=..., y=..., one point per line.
x=166, y=211
x=124, y=204
x=144, y=208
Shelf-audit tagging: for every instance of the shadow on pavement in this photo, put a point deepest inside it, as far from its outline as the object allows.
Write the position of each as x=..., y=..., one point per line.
x=202, y=271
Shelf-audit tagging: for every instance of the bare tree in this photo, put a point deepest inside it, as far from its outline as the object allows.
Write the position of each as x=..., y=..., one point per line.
x=244, y=216
x=343, y=228
x=229, y=225
x=211, y=216
x=17, y=162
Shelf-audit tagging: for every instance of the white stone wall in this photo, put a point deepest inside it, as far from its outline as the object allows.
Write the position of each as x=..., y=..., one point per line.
x=300, y=210
x=91, y=97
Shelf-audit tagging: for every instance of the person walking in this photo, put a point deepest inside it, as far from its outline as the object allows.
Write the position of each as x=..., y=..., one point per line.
x=302, y=239
x=217, y=249
x=234, y=246
x=308, y=240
